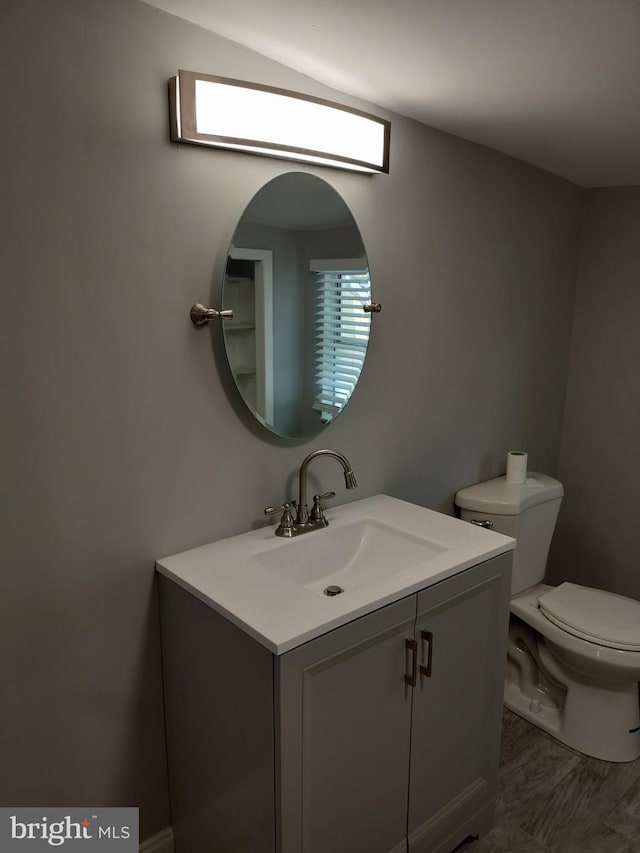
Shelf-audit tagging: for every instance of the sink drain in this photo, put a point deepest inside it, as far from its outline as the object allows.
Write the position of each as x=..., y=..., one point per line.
x=333, y=589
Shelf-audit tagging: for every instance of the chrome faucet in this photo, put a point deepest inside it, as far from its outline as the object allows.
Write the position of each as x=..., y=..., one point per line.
x=349, y=481
x=305, y=521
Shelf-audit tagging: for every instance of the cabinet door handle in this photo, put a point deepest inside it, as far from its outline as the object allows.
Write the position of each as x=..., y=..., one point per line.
x=427, y=636
x=412, y=646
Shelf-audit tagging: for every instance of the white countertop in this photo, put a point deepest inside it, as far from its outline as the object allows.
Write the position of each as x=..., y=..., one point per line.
x=231, y=576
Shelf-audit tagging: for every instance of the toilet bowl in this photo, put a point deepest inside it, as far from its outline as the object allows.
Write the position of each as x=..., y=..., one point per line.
x=573, y=661
x=588, y=694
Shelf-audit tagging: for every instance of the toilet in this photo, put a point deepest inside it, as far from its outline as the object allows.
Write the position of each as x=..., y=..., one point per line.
x=573, y=659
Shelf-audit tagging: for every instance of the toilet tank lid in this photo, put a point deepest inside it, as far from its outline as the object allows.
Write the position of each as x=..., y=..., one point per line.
x=497, y=497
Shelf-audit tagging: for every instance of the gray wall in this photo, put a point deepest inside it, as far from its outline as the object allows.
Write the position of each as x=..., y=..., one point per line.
x=123, y=437
x=597, y=542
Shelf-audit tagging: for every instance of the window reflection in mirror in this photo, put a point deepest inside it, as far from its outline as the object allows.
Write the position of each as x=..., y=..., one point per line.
x=297, y=279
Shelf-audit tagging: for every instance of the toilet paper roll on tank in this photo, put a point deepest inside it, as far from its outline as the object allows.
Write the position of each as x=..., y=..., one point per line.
x=516, y=467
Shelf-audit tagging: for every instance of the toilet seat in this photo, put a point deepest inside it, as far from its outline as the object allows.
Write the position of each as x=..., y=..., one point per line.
x=594, y=615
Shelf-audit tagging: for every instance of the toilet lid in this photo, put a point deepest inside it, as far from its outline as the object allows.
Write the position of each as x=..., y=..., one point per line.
x=594, y=615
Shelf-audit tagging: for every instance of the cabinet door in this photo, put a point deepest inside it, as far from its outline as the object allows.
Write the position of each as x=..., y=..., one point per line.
x=461, y=631
x=344, y=723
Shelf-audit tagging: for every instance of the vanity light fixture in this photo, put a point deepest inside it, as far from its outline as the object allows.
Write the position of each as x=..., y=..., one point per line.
x=226, y=113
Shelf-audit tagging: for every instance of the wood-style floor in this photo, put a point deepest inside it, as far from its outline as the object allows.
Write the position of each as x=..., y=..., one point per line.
x=554, y=800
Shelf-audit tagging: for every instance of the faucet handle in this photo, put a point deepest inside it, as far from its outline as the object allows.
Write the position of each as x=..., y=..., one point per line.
x=290, y=505
x=272, y=510
x=317, y=513
x=285, y=528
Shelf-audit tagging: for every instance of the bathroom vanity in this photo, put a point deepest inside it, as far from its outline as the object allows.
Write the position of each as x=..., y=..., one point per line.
x=367, y=721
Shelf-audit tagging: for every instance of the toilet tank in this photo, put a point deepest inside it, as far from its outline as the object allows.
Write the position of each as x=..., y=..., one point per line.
x=527, y=512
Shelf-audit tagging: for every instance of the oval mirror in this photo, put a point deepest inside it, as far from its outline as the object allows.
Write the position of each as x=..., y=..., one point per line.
x=297, y=280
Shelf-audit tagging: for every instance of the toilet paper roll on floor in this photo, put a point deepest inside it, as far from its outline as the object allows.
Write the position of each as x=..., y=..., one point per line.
x=516, y=467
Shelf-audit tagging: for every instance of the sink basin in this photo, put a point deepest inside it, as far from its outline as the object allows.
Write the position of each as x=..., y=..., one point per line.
x=377, y=550
x=348, y=556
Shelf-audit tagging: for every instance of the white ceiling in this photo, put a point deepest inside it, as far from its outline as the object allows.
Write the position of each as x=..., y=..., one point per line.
x=553, y=82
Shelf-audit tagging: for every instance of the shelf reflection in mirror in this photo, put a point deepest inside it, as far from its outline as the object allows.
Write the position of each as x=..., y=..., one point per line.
x=297, y=280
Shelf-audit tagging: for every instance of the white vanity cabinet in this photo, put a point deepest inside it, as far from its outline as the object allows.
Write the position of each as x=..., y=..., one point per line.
x=380, y=736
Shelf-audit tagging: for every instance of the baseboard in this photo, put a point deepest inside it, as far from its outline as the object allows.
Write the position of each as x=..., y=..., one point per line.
x=160, y=843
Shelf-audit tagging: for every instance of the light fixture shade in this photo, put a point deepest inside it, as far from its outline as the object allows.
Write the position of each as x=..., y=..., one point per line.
x=226, y=113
